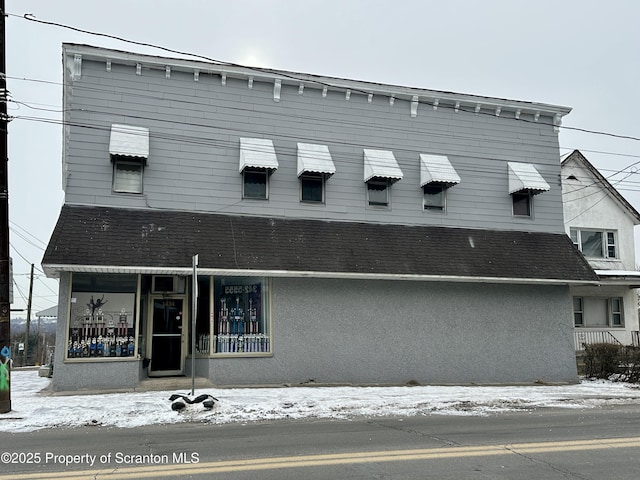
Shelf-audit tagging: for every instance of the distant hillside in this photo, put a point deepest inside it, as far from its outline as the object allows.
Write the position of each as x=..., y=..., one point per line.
x=47, y=325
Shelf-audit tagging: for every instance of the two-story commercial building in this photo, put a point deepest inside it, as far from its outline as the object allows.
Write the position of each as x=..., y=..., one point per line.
x=346, y=231
x=601, y=222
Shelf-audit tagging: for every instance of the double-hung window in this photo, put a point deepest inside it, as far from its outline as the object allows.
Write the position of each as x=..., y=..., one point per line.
x=521, y=204
x=434, y=197
x=127, y=175
x=578, y=311
x=595, y=243
x=598, y=312
x=378, y=192
x=312, y=188
x=255, y=183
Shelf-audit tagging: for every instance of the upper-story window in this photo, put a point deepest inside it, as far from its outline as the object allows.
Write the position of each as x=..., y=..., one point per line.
x=437, y=175
x=595, y=243
x=524, y=182
x=127, y=175
x=378, y=192
x=255, y=183
x=129, y=150
x=381, y=170
x=522, y=203
x=312, y=188
x=257, y=162
x=433, y=197
x=315, y=165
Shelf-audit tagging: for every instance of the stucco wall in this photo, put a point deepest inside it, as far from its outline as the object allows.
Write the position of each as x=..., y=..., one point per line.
x=382, y=332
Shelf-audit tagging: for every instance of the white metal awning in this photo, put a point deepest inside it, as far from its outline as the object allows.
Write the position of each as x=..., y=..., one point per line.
x=525, y=177
x=381, y=164
x=437, y=169
x=129, y=141
x=314, y=158
x=257, y=153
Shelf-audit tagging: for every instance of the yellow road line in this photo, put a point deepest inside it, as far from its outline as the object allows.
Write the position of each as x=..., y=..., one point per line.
x=113, y=472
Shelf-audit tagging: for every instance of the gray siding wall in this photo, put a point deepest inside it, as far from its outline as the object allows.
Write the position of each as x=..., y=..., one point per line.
x=381, y=332
x=194, y=149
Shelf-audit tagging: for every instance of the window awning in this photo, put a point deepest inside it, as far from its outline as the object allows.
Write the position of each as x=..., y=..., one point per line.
x=381, y=164
x=314, y=158
x=437, y=169
x=129, y=141
x=257, y=153
x=525, y=177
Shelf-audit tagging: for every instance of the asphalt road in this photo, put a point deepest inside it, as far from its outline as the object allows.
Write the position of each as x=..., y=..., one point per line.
x=596, y=444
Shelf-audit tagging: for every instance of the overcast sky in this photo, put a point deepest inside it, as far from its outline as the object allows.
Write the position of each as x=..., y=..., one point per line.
x=577, y=53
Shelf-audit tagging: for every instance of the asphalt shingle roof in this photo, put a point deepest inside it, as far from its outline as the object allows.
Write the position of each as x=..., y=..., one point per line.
x=105, y=237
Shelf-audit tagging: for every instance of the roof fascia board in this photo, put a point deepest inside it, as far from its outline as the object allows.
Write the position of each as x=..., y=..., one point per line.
x=295, y=78
x=53, y=270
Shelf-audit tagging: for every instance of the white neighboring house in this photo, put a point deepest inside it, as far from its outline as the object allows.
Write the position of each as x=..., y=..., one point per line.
x=601, y=225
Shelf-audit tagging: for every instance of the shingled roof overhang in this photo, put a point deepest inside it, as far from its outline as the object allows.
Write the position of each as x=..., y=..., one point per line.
x=118, y=240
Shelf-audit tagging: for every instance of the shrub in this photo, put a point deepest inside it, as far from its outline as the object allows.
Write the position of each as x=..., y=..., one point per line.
x=602, y=360
x=606, y=360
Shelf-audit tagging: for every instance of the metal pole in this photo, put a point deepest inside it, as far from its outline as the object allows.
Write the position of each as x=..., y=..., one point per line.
x=29, y=300
x=5, y=307
x=194, y=314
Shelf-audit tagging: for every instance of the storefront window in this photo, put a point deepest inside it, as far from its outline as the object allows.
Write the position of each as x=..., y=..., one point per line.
x=203, y=324
x=241, y=315
x=102, y=316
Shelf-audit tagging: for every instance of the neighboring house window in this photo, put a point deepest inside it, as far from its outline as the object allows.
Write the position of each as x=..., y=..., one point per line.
x=522, y=204
x=595, y=243
x=378, y=192
x=598, y=312
x=127, y=175
x=615, y=312
x=434, y=197
x=255, y=183
x=578, y=312
x=312, y=188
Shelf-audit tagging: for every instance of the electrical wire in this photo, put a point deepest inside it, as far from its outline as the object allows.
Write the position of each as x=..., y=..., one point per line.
x=33, y=18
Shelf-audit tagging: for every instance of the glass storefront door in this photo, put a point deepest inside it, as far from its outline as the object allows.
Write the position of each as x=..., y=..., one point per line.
x=167, y=356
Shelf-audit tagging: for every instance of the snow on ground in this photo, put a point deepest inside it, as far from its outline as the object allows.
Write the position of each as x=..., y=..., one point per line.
x=33, y=411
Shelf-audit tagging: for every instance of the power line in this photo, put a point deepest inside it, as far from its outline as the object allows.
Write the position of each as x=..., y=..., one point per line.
x=33, y=18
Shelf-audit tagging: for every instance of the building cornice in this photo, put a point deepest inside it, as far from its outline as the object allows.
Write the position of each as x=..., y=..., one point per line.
x=74, y=54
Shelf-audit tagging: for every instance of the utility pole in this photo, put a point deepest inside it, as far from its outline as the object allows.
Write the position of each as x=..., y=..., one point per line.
x=5, y=306
x=26, y=340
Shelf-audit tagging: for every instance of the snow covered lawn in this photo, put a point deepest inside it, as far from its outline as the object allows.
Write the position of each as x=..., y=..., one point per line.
x=32, y=411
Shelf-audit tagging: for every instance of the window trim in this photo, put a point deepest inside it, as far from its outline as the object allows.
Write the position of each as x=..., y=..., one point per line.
x=255, y=170
x=609, y=240
x=131, y=161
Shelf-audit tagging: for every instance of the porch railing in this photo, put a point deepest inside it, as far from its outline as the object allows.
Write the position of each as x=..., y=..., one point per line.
x=635, y=338
x=588, y=337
